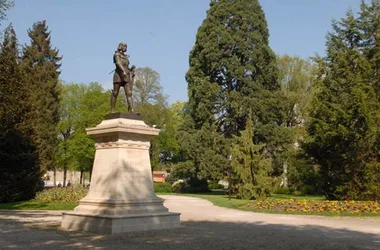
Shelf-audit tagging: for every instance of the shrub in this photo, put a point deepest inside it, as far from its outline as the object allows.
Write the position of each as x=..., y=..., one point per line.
x=308, y=189
x=163, y=187
x=20, y=176
x=186, y=187
x=284, y=190
x=214, y=185
x=181, y=187
x=66, y=194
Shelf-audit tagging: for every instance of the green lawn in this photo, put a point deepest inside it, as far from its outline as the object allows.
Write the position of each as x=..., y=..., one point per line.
x=37, y=205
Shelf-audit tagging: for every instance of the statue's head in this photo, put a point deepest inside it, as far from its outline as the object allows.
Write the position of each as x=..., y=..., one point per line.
x=122, y=47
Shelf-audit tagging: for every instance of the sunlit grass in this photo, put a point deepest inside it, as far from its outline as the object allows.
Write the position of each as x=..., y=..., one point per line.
x=38, y=205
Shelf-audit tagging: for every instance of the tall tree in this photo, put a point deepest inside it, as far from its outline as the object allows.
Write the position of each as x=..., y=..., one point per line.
x=295, y=76
x=232, y=71
x=19, y=174
x=82, y=106
x=147, y=87
x=342, y=127
x=40, y=67
x=369, y=25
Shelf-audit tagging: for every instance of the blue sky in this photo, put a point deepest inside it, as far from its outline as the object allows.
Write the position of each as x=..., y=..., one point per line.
x=161, y=33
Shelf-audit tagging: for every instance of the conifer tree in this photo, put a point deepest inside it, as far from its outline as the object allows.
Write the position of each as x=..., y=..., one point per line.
x=232, y=72
x=251, y=165
x=19, y=174
x=40, y=68
x=342, y=127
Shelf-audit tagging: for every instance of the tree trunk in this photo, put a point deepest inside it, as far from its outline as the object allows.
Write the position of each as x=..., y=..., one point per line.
x=55, y=177
x=89, y=179
x=81, y=177
x=284, y=181
x=64, y=176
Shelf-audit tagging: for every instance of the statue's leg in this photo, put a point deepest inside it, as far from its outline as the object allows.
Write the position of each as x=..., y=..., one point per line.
x=128, y=95
x=114, y=95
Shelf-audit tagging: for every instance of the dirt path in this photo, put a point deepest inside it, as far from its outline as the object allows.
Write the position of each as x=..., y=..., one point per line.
x=204, y=226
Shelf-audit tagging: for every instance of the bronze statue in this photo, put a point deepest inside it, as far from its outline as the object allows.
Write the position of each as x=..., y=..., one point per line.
x=123, y=77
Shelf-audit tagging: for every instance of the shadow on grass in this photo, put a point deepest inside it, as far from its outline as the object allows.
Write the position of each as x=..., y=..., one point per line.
x=191, y=235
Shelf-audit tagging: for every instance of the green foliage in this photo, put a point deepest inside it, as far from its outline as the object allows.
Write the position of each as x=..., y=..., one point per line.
x=344, y=124
x=19, y=174
x=193, y=185
x=82, y=106
x=232, y=72
x=40, y=72
x=163, y=187
x=283, y=190
x=4, y=6
x=252, y=166
x=62, y=195
x=214, y=185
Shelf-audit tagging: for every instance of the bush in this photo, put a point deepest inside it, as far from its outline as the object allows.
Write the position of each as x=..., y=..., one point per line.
x=214, y=185
x=186, y=187
x=181, y=187
x=59, y=194
x=163, y=187
x=20, y=176
x=308, y=189
x=284, y=190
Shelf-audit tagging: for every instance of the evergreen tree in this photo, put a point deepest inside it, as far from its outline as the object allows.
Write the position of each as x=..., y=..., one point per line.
x=19, y=174
x=232, y=71
x=369, y=26
x=4, y=6
x=251, y=165
x=40, y=65
x=342, y=127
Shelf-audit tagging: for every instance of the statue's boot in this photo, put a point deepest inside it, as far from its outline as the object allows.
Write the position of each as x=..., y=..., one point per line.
x=130, y=104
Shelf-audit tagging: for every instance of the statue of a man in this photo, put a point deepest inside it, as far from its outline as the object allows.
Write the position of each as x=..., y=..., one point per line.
x=123, y=77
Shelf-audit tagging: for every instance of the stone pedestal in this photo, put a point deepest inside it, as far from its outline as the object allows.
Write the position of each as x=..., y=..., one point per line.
x=121, y=196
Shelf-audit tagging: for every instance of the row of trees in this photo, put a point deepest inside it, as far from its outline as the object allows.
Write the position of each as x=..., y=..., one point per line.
x=282, y=120
x=43, y=120
x=258, y=120
x=29, y=110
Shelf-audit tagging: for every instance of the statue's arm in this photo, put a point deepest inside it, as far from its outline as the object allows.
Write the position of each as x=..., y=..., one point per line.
x=118, y=63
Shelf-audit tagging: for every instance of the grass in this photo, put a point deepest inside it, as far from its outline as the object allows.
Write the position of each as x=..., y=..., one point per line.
x=38, y=205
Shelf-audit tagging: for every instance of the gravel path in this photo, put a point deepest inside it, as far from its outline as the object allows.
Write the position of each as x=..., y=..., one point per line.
x=204, y=226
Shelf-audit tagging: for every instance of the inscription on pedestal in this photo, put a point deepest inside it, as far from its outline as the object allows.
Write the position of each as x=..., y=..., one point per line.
x=133, y=173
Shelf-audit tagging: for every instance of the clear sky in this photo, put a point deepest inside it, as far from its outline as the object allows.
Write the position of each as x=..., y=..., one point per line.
x=161, y=33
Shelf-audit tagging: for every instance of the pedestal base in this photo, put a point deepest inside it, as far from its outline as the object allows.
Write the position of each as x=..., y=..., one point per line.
x=112, y=224
x=121, y=197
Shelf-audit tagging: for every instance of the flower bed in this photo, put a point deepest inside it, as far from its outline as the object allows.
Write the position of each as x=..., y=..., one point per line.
x=317, y=207
x=62, y=195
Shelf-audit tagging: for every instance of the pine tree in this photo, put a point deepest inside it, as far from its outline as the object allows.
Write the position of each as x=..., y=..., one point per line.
x=251, y=165
x=40, y=65
x=19, y=174
x=369, y=25
x=232, y=71
x=342, y=127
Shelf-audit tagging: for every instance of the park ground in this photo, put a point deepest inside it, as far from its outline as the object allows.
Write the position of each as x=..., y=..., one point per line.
x=203, y=226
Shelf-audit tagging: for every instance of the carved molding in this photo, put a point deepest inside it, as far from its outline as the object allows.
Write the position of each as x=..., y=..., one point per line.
x=134, y=145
